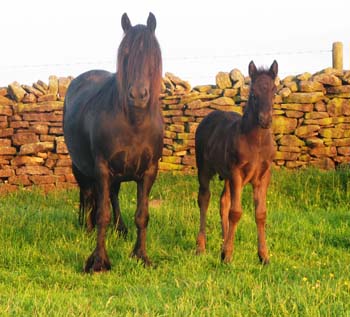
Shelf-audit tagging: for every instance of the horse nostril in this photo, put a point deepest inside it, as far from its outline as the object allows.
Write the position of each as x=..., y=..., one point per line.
x=131, y=95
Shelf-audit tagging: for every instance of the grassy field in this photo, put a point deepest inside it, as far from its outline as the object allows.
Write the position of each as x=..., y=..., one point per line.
x=42, y=252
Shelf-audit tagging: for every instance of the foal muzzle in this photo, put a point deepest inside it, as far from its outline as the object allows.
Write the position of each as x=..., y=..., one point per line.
x=265, y=120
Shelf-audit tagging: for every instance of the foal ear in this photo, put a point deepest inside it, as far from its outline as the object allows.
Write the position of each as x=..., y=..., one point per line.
x=252, y=70
x=274, y=69
x=126, y=24
x=151, y=22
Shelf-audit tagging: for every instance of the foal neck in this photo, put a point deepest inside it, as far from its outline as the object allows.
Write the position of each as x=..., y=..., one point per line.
x=250, y=125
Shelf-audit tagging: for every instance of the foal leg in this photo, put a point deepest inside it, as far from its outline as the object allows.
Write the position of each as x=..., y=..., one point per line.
x=260, y=191
x=118, y=220
x=225, y=203
x=235, y=213
x=142, y=215
x=203, y=202
x=98, y=261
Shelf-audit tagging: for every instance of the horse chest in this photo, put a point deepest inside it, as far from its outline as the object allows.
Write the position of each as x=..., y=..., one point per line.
x=130, y=162
x=132, y=154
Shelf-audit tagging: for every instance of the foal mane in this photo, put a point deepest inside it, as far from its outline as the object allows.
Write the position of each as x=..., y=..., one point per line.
x=139, y=51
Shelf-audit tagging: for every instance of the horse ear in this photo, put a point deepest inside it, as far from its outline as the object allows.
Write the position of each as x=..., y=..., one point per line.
x=126, y=24
x=274, y=69
x=252, y=70
x=151, y=22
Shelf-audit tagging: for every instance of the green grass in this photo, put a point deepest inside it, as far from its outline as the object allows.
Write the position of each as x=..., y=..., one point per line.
x=42, y=253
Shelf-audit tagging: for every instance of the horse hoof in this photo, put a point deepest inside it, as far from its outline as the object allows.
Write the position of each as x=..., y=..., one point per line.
x=144, y=258
x=97, y=264
x=89, y=229
x=123, y=232
x=147, y=262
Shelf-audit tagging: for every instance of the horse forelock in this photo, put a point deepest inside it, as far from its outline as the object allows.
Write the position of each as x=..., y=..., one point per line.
x=139, y=59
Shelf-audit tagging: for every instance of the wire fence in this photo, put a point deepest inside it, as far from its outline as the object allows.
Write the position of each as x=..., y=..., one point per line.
x=198, y=69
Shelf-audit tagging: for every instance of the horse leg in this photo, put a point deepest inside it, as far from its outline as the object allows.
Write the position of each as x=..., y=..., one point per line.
x=225, y=202
x=98, y=261
x=142, y=216
x=260, y=192
x=203, y=202
x=118, y=220
x=234, y=215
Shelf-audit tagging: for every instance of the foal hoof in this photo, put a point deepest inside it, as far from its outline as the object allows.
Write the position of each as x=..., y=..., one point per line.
x=201, y=242
x=200, y=251
x=226, y=257
x=97, y=264
x=264, y=260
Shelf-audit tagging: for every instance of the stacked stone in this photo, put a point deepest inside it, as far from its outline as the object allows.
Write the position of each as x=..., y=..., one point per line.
x=32, y=149
x=312, y=120
x=311, y=124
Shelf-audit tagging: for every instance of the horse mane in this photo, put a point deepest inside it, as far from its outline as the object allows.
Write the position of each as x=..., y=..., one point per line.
x=139, y=47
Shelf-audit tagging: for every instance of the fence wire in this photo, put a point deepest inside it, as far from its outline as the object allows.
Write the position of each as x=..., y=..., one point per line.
x=197, y=69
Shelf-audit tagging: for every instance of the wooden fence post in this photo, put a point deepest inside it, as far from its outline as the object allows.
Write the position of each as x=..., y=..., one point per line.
x=337, y=53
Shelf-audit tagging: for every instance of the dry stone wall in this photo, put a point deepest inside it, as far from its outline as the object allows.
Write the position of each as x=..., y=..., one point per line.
x=311, y=124
x=311, y=121
x=32, y=148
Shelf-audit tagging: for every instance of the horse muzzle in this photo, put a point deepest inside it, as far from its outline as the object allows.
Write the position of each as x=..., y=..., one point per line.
x=138, y=97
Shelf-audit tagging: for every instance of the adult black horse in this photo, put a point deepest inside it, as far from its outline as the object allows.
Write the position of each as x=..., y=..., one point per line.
x=113, y=129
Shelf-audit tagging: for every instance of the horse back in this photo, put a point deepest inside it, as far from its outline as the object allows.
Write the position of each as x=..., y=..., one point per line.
x=84, y=87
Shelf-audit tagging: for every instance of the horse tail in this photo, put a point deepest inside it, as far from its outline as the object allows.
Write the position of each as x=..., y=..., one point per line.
x=87, y=197
x=87, y=208
x=84, y=206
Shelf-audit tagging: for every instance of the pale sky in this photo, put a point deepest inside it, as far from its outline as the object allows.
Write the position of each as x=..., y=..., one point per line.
x=198, y=38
